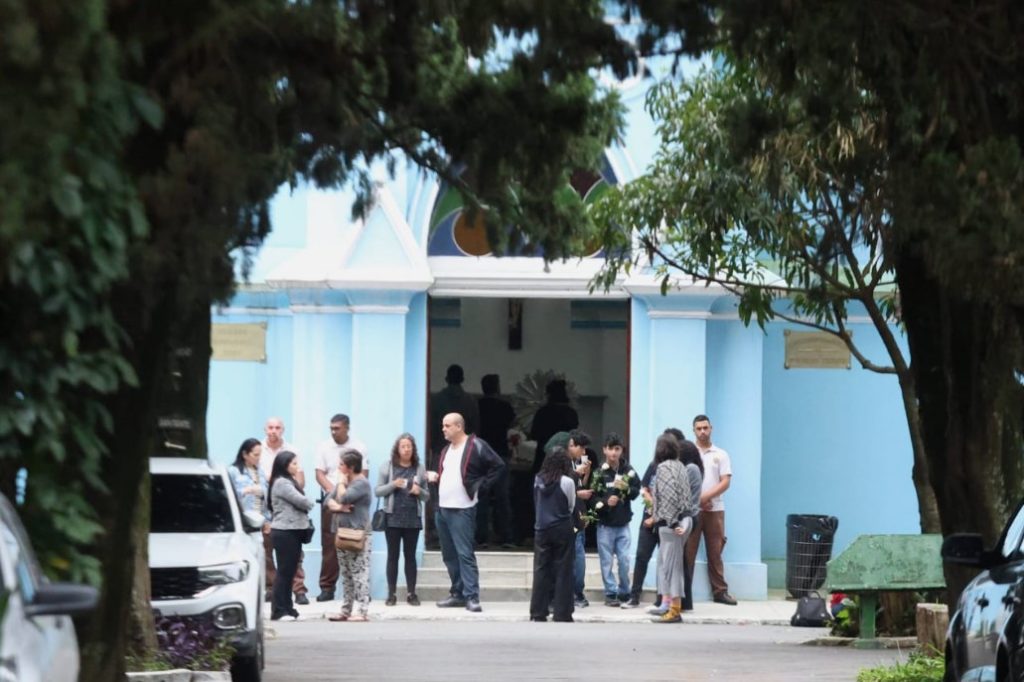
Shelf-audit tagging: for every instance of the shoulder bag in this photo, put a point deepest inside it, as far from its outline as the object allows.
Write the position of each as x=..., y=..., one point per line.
x=379, y=522
x=350, y=539
x=307, y=532
x=380, y=519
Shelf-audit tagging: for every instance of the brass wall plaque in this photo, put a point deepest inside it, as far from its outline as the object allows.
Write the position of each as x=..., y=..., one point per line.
x=816, y=350
x=241, y=342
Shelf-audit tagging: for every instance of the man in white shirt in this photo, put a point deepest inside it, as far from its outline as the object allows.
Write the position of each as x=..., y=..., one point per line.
x=328, y=457
x=273, y=444
x=465, y=466
x=711, y=520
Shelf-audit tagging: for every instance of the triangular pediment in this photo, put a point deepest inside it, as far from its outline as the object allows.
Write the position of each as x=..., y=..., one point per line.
x=378, y=252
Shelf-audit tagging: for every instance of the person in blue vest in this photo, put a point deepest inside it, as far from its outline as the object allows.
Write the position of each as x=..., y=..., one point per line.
x=467, y=465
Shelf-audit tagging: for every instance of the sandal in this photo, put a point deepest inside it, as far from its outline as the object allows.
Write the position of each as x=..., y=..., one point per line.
x=338, y=618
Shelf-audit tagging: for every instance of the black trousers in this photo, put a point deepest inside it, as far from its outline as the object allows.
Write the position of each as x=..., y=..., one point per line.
x=404, y=540
x=494, y=501
x=554, y=552
x=287, y=549
x=646, y=541
x=688, y=584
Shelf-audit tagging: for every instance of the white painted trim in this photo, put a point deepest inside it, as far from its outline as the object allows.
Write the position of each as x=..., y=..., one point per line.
x=856, y=319
x=427, y=210
x=679, y=314
x=401, y=228
x=348, y=309
x=617, y=168
x=320, y=309
x=504, y=292
x=374, y=281
x=229, y=311
x=379, y=309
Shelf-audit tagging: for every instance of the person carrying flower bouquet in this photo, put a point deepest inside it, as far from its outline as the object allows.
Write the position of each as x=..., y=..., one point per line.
x=615, y=486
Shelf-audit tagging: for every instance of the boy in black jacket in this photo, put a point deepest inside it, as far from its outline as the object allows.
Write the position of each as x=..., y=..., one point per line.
x=618, y=484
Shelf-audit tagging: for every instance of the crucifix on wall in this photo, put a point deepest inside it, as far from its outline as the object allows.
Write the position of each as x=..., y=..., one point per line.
x=515, y=324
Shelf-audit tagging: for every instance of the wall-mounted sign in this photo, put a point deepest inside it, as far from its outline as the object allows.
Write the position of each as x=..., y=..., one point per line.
x=816, y=350
x=240, y=342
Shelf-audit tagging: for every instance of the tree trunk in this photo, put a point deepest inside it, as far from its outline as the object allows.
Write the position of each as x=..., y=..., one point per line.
x=963, y=359
x=171, y=355
x=141, y=627
x=927, y=505
x=133, y=411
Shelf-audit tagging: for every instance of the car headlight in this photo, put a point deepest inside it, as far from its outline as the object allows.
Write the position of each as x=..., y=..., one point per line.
x=223, y=574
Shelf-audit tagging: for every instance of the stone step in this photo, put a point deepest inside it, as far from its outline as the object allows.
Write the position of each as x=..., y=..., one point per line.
x=497, y=576
x=505, y=576
x=500, y=593
x=487, y=560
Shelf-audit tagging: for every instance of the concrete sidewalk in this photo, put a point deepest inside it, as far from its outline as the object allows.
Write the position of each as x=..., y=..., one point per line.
x=774, y=611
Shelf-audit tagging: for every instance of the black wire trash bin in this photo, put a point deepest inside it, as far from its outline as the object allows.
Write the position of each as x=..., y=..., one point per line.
x=808, y=549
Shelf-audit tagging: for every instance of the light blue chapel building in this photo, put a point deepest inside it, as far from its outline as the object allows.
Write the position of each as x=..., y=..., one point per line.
x=363, y=317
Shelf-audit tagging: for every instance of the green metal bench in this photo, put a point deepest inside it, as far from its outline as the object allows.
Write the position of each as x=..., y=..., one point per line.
x=885, y=563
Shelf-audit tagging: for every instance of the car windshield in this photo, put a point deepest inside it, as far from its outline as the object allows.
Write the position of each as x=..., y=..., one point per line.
x=190, y=503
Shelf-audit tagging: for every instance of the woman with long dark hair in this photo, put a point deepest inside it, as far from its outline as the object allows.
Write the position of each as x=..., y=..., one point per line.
x=554, y=498
x=289, y=509
x=402, y=485
x=676, y=496
x=248, y=480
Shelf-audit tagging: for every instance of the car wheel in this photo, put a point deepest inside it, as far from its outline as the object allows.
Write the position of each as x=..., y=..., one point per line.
x=247, y=668
x=250, y=668
x=949, y=674
x=261, y=650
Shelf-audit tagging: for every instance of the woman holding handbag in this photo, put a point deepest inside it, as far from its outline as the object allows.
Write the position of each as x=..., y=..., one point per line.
x=350, y=505
x=289, y=524
x=403, y=484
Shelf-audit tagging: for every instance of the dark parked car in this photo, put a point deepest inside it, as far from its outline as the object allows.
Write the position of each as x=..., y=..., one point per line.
x=985, y=640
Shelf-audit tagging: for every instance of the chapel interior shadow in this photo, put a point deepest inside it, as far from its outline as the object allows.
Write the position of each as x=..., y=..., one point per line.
x=523, y=345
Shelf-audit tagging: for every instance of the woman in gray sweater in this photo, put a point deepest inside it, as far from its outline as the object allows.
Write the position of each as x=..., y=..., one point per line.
x=289, y=509
x=350, y=504
x=402, y=485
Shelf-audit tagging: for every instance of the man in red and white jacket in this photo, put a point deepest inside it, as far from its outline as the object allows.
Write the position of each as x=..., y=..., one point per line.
x=467, y=465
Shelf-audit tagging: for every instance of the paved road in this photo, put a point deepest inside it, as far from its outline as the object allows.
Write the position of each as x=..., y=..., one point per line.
x=489, y=651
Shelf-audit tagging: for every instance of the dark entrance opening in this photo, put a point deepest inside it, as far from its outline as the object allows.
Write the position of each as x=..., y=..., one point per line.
x=527, y=343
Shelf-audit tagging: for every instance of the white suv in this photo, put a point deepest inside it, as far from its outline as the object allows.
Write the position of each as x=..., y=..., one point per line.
x=206, y=556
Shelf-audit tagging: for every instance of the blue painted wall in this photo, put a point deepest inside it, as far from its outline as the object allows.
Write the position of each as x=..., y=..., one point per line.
x=734, y=406
x=835, y=443
x=257, y=390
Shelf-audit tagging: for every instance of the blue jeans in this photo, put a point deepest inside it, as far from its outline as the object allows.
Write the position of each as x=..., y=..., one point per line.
x=580, y=565
x=456, y=529
x=613, y=541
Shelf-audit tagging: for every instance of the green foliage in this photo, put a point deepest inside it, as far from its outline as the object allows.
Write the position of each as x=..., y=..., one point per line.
x=140, y=147
x=918, y=668
x=748, y=193
x=846, y=622
x=67, y=214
